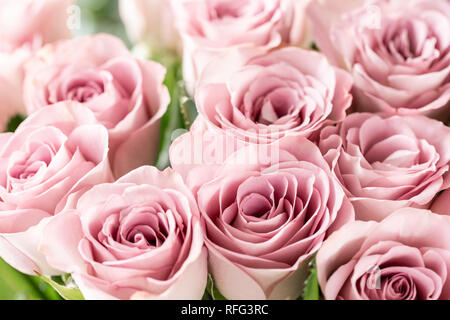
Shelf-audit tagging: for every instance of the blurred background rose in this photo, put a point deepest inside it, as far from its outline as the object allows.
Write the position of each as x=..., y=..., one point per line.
x=100, y=16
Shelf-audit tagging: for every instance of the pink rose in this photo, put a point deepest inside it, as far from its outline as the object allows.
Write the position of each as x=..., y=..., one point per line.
x=210, y=27
x=388, y=162
x=398, y=51
x=24, y=26
x=404, y=257
x=289, y=91
x=126, y=95
x=27, y=21
x=150, y=21
x=138, y=238
x=57, y=151
x=267, y=211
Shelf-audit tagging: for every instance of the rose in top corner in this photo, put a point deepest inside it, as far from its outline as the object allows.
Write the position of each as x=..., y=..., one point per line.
x=210, y=27
x=40, y=22
x=398, y=52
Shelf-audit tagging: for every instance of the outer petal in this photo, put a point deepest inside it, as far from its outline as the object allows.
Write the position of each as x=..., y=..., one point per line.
x=190, y=285
x=441, y=204
x=21, y=250
x=233, y=282
x=60, y=242
x=338, y=250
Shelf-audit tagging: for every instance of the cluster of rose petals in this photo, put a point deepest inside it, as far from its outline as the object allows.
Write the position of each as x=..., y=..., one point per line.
x=125, y=94
x=388, y=162
x=262, y=98
x=211, y=27
x=138, y=238
x=404, y=257
x=264, y=220
x=40, y=22
x=398, y=51
x=58, y=151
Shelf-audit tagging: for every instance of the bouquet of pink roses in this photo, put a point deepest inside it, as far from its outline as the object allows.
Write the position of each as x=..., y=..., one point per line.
x=240, y=150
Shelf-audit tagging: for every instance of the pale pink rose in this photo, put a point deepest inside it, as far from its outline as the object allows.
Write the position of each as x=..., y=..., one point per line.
x=210, y=27
x=264, y=219
x=138, y=238
x=404, y=257
x=150, y=21
x=388, y=162
x=25, y=25
x=26, y=21
x=398, y=51
x=289, y=91
x=125, y=94
x=55, y=152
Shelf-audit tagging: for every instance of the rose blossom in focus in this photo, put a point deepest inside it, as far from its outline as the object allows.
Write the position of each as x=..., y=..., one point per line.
x=57, y=151
x=289, y=91
x=210, y=27
x=25, y=25
x=264, y=221
x=138, y=238
x=125, y=94
x=403, y=257
x=398, y=52
x=150, y=21
x=388, y=162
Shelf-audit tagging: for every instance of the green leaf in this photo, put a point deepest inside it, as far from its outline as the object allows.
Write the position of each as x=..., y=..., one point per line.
x=14, y=122
x=311, y=291
x=15, y=285
x=68, y=290
x=314, y=47
x=212, y=290
x=173, y=118
x=206, y=295
x=46, y=289
x=188, y=110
